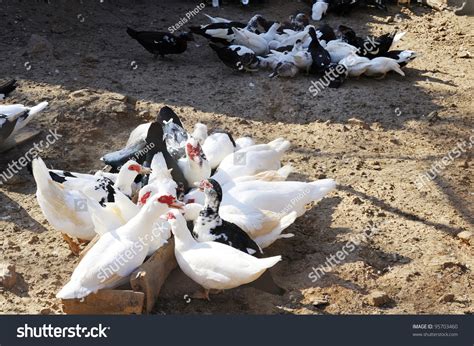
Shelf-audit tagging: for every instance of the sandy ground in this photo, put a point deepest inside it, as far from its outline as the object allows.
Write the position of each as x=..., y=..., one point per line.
x=408, y=124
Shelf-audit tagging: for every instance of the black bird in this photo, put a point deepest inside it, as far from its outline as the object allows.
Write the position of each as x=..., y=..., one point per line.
x=321, y=57
x=166, y=114
x=236, y=57
x=342, y=7
x=209, y=226
x=338, y=75
x=370, y=47
x=327, y=32
x=6, y=88
x=161, y=43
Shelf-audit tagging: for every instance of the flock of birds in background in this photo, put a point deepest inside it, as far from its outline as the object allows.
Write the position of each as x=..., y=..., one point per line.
x=223, y=200
x=289, y=48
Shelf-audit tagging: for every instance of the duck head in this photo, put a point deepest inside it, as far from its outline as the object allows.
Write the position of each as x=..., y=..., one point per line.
x=212, y=189
x=194, y=151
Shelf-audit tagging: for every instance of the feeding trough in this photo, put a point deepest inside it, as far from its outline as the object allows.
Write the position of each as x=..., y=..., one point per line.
x=137, y=297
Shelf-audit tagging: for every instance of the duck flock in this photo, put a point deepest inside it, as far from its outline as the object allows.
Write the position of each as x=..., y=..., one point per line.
x=223, y=200
x=288, y=48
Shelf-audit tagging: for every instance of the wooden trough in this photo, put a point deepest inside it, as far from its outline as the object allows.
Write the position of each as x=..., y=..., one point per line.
x=138, y=297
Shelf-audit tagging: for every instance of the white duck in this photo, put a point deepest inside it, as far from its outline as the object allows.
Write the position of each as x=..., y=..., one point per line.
x=319, y=9
x=381, y=66
x=339, y=50
x=200, y=133
x=217, y=146
x=251, y=160
x=279, y=196
x=112, y=215
x=118, y=253
x=356, y=65
x=243, y=142
x=196, y=196
x=214, y=265
x=14, y=117
x=102, y=189
x=65, y=210
x=195, y=165
x=217, y=19
x=251, y=40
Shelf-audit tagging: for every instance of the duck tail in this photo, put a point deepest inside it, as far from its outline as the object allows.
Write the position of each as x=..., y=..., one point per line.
x=38, y=108
x=132, y=33
x=73, y=291
x=269, y=262
x=285, y=171
x=280, y=145
x=397, y=69
x=41, y=174
x=321, y=188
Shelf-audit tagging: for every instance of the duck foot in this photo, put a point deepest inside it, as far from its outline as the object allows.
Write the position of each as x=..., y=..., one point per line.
x=216, y=291
x=204, y=294
x=381, y=77
x=73, y=246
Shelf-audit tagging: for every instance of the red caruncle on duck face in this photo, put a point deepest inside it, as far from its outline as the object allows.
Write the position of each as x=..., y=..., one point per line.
x=194, y=151
x=144, y=198
x=135, y=167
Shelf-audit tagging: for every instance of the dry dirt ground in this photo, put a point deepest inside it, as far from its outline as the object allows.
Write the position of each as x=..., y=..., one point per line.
x=100, y=84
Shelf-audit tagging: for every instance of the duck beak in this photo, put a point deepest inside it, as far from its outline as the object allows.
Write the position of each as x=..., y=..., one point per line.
x=145, y=171
x=177, y=205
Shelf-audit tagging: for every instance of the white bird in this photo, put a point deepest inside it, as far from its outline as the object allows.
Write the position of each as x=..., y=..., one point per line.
x=244, y=142
x=102, y=189
x=118, y=253
x=319, y=9
x=279, y=196
x=253, y=41
x=339, y=50
x=112, y=215
x=381, y=66
x=272, y=32
x=196, y=196
x=195, y=165
x=14, y=117
x=200, y=132
x=217, y=19
x=252, y=160
x=65, y=210
x=356, y=65
x=214, y=265
x=217, y=146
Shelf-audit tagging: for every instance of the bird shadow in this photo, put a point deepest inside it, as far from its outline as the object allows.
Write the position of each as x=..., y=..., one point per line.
x=16, y=214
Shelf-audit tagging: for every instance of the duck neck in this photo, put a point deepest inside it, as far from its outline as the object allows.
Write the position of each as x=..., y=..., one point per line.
x=182, y=236
x=211, y=208
x=143, y=222
x=124, y=181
